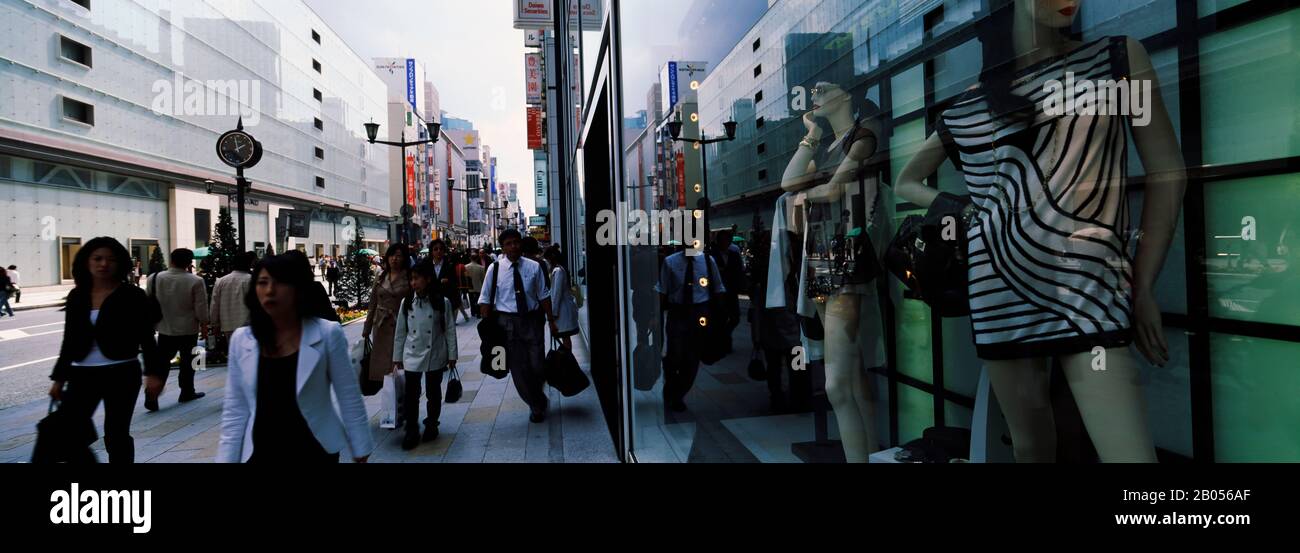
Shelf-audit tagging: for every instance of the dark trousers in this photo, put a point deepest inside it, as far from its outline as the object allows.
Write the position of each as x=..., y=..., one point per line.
x=332, y=283
x=118, y=386
x=433, y=393
x=168, y=347
x=800, y=382
x=524, y=357
x=685, y=338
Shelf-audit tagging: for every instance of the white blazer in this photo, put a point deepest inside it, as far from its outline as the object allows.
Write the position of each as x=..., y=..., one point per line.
x=323, y=365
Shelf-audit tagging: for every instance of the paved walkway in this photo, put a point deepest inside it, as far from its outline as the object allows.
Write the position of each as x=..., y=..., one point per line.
x=489, y=424
x=38, y=297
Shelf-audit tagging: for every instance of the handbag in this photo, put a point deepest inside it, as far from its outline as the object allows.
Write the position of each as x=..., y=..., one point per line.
x=394, y=392
x=646, y=367
x=369, y=388
x=563, y=373
x=931, y=267
x=491, y=337
x=62, y=437
x=454, y=388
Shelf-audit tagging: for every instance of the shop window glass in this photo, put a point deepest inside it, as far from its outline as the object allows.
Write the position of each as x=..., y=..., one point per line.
x=912, y=324
x=957, y=69
x=1167, y=391
x=1211, y=7
x=908, y=90
x=1250, y=82
x=1134, y=18
x=961, y=366
x=957, y=416
x=907, y=139
x=1171, y=287
x=1255, y=407
x=1253, y=249
x=1165, y=63
x=915, y=413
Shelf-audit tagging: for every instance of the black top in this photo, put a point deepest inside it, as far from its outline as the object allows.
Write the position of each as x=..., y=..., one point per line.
x=280, y=433
x=125, y=328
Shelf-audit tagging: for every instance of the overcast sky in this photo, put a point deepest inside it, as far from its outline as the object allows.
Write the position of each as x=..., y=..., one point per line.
x=470, y=51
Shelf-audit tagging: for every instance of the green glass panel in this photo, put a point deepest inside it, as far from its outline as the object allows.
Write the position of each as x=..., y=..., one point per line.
x=915, y=413
x=1253, y=249
x=1255, y=406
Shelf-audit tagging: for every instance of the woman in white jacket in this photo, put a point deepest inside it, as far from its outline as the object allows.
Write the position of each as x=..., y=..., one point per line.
x=283, y=367
x=564, y=321
x=424, y=345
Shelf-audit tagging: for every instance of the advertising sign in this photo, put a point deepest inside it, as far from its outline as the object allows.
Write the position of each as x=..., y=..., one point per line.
x=536, y=14
x=680, y=81
x=535, y=129
x=537, y=221
x=410, y=85
x=533, y=78
x=533, y=38
x=410, y=179
x=541, y=183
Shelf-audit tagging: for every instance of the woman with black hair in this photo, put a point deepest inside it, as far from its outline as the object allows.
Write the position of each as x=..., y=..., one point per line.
x=386, y=297
x=107, y=325
x=285, y=370
x=424, y=345
x=564, y=316
x=1051, y=275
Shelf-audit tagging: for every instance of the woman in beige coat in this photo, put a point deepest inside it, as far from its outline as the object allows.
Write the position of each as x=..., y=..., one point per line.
x=394, y=285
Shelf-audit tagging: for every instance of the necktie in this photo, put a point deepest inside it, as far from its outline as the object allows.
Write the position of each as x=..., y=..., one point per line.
x=689, y=290
x=521, y=301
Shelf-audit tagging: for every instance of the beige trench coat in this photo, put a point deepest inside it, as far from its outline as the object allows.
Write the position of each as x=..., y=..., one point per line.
x=381, y=323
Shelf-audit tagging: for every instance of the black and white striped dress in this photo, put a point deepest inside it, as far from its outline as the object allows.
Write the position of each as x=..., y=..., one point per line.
x=1050, y=269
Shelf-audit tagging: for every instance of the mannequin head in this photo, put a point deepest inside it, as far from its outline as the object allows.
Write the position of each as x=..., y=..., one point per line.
x=830, y=100
x=1053, y=14
x=1011, y=30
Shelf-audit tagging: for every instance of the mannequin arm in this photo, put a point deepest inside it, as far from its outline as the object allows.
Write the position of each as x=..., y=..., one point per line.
x=1166, y=183
x=846, y=173
x=798, y=174
x=911, y=182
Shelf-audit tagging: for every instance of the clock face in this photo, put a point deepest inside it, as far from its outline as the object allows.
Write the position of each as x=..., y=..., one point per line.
x=237, y=149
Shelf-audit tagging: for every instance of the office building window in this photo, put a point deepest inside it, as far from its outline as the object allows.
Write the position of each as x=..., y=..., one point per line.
x=315, y=36
x=758, y=43
x=202, y=227
x=315, y=64
x=320, y=153
x=762, y=148
x=317, y=94
x=80, y=112
x=758, y=123
x=82, y=3
x=320, y=182
x=758, y=70
x=75, y=52
x=320, y=125
x=758, y=97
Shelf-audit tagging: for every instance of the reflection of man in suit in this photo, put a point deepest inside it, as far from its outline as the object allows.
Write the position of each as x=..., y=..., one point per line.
x=448, y=284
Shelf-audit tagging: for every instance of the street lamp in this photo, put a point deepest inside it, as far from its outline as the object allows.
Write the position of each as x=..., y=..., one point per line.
x=372, y=132
x=675, y=129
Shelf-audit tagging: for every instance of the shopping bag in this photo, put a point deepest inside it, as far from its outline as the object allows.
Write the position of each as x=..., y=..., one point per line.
x=391, y=399
x=564, y=374
x=63, y=438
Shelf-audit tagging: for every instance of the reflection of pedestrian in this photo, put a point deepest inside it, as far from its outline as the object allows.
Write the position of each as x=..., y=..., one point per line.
x=521, y=307
x=107, y=326
x=564, y=322
x=288, y=366
x=183, y=298
x=685, y=284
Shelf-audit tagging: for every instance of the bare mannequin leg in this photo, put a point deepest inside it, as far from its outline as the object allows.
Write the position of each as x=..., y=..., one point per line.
x=846, y=386
x=1021, y=388
x=1111, y=402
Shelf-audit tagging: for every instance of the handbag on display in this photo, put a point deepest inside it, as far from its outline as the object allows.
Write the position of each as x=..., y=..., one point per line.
x=454, y=388
x=928, y=255
x=563, y=372
x=63, y=438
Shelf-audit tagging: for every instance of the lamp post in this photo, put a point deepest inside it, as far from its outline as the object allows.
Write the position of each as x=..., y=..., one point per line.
x=372, y=131
x=675, y=129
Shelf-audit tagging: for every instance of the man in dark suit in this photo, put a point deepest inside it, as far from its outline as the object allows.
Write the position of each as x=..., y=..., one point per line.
x=448, y=283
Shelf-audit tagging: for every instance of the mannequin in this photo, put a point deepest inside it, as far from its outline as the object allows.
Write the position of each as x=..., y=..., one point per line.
x=1051, y=275
x=825, y=194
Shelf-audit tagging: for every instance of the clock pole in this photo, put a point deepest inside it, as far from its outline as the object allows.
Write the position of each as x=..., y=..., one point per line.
x=240, y=185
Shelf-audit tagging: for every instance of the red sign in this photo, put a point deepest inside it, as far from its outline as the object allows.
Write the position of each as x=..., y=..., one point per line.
x=535, y=131
x=410, y=180
x=681, y=180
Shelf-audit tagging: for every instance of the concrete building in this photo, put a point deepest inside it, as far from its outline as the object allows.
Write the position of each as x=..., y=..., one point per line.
x=110, y=116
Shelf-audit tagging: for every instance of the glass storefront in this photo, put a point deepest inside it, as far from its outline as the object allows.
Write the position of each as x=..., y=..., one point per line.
x=792, y=141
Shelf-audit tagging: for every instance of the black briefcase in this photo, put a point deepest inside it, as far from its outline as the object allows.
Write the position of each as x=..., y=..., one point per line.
x=564, y=374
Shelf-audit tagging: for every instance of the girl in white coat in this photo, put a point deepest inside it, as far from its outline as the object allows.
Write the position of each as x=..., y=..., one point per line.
x=424, y=345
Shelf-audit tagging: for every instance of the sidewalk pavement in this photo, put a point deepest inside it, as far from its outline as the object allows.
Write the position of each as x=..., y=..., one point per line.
x=489, y=424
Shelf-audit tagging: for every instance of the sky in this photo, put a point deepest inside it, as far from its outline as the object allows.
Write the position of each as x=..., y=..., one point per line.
x=471, y=53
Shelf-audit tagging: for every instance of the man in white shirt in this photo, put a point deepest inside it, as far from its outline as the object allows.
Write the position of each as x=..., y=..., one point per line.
x=183, y=298
x=521, y=302
x=13, y=277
